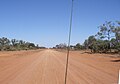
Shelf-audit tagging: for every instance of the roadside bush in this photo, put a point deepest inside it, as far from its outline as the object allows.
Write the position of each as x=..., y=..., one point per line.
x=13, y=45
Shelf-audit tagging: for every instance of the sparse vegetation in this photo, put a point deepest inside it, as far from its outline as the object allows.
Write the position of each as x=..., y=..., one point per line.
x=12, y=45
x=107, y=40
x=61, y=46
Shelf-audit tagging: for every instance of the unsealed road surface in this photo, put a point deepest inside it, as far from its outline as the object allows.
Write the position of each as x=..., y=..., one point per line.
x=48, y=67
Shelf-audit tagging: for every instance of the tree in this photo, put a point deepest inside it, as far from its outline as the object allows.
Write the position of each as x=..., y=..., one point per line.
x=108, y=38
x=105, y=32
x=85, y=44
x=116, y=30
x=91, y=42
x=78, y=46
x=37, y=46
x=4, y=42
x=61, y=46
x=31, y=45
x=116, y=41
x=21, y=42
x=14, y=42
x=113, y=43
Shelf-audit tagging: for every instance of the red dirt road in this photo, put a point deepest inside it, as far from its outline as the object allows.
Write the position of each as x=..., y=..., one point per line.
x=48, y=67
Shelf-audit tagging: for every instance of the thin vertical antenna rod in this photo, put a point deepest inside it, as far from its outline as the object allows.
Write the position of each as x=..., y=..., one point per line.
x=68, y=49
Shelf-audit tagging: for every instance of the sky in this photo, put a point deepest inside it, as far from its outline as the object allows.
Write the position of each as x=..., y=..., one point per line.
x=46, y=22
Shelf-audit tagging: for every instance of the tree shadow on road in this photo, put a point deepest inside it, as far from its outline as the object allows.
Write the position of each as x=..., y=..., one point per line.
x=115, y=60
x=87, y=52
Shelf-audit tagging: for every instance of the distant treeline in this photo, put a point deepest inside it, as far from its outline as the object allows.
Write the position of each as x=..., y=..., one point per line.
x=106, y=40
x=13, y=44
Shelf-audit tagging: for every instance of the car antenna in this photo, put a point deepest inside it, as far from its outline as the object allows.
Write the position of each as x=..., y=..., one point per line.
x=69, y=39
